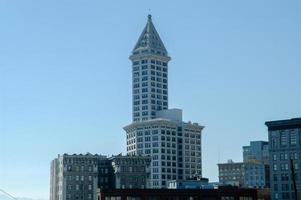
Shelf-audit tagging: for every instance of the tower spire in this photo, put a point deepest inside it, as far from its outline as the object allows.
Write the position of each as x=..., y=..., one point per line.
x=149, y=40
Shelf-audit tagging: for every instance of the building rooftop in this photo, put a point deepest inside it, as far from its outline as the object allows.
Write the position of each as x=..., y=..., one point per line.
x=284, y=124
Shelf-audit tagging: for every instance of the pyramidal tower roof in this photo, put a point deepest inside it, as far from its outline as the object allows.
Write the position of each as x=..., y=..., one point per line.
x=150, y=40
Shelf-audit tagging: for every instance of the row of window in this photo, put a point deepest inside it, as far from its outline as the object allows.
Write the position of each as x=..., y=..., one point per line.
x=156, y=138
x=80, y=161
x=194, y=135
x=153, y=84
x=163, y=176
x=284, y=166
x=76, y=196
x=79, y=168
x=284, y=156
x=285, y=138
x=159, y=70
x=145, y=96
x=80, y=178
x=144, y=61
x=164, y=170
x=153, y=90
x=79, y=187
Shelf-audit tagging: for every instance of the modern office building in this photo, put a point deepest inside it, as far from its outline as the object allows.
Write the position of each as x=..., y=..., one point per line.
x=284, y=145
x=257, y=150
x=231, y=173
x=256, y=175
x=256, y=159
x=79, y=176
x=174, y=145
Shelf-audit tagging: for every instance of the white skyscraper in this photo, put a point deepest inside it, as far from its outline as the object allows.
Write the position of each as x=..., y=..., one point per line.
x=175, y=146
x=150, y=73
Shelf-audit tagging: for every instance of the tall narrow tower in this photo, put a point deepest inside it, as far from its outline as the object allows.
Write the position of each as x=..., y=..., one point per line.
x=150, y=74
x=156, y=130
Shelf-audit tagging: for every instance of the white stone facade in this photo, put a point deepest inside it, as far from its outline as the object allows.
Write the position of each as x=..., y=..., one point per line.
x=175, y=146
x=175, y=149
x=149, y=74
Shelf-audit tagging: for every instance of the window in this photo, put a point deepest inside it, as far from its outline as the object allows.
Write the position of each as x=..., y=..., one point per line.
x=283, y=138
x=275, y=167
x=293, y=138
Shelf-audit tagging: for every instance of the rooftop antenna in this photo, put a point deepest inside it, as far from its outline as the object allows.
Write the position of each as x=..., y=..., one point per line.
x=219, y=154
x=149, y=16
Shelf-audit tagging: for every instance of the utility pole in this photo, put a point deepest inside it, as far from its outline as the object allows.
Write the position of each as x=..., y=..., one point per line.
x=294, y=179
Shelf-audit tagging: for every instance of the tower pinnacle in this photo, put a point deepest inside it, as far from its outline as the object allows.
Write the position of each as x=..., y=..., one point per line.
x=149, y=40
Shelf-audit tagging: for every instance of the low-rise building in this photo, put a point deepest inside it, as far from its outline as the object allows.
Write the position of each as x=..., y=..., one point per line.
x=75, y=176
x=131, y=171
x=256, y=175
x=231, y=173
x=222, y=193
x=79, y=176
x=256, y=159
x=257, y=150
x=200, y=183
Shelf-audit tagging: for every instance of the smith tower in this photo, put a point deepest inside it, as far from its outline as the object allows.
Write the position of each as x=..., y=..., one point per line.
x=150, y=74
x=156, y=130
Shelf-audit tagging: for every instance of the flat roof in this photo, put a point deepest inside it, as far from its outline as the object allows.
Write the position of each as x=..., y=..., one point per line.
x=284, y=124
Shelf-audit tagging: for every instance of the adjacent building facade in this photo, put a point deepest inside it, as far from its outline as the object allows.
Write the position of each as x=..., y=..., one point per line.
x=256, y=175
x=156, y=131
x=285, y=144
x=79, y=176
x=131, y=171
x=75, y=177
x=221, y=193
x=256, y=159
x=257, y=150
x=231, y=173
x=197, y=183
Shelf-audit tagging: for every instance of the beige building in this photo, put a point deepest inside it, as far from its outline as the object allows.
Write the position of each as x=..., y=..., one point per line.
x=231, y=173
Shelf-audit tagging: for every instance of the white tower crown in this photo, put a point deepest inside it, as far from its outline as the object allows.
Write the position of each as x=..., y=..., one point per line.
x=150, y=74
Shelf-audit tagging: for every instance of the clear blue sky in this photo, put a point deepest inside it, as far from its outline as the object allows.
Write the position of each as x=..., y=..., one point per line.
x=65, y=76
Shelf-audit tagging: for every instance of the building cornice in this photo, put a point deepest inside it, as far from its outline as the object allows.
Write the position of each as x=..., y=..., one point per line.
x=141, y=56
x=151, y=122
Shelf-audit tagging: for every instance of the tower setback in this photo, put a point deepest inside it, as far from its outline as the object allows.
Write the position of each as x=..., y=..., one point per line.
x=156, y=130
